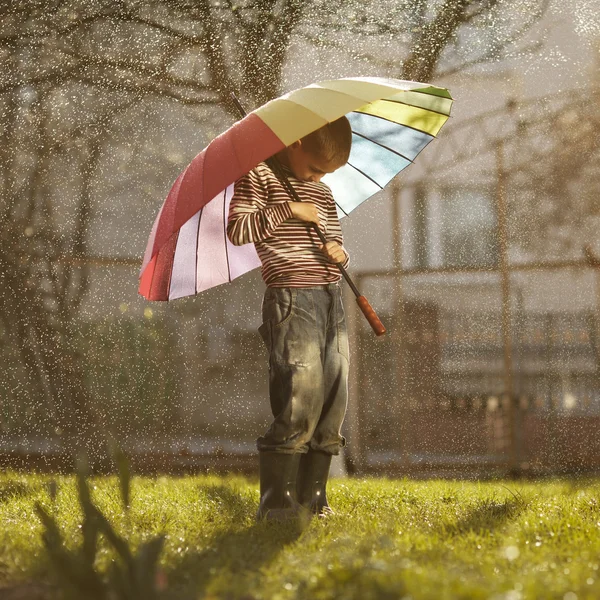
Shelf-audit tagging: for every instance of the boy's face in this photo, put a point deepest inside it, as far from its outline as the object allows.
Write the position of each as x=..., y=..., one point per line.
x=305, y=165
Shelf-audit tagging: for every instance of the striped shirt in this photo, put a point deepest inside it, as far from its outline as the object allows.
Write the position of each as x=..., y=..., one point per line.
x=288, y=248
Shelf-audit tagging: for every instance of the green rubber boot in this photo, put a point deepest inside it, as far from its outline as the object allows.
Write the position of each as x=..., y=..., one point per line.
x=278, y=472
x=311, y=482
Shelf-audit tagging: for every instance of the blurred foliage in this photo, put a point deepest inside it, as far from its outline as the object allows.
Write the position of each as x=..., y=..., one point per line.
x=131, y=370
x=133, y=577
x=22, y=398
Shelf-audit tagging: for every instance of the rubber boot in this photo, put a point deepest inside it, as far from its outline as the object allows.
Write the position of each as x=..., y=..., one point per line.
x=311, y=483
x=278, y=472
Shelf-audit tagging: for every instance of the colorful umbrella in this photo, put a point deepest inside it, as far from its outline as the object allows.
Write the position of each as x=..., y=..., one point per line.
x=392, y=121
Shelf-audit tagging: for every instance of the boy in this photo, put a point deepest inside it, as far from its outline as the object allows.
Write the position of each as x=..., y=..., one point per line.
x=303, y=327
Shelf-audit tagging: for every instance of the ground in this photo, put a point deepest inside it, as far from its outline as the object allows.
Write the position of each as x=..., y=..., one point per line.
x=390, y=539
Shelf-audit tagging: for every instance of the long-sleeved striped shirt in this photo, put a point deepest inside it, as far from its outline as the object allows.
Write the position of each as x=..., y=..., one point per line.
x=288, y=248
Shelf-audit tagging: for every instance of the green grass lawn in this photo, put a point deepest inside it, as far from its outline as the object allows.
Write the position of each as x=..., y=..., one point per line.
x=390, y=539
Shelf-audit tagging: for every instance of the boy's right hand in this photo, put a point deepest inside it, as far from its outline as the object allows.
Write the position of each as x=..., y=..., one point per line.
x=305, y=211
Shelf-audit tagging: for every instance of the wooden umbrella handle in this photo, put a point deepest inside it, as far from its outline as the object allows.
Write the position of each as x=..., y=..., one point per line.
x=371, y=315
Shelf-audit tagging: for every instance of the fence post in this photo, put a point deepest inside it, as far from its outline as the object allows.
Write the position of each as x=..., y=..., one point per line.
x=513, y=462
x=399, y=327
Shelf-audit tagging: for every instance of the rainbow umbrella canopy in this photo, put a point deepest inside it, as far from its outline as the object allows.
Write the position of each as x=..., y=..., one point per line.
x=392, y=121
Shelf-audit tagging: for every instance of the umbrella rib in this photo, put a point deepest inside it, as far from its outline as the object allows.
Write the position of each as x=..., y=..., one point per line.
x=168, y=286
x=197, y=244
x=437, y=112
x=225, y=234
x=390, y=121
x=382, y=146
x=365, y=175
x=336, y=203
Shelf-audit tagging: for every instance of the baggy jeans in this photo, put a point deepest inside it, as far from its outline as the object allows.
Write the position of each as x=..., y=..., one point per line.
x=304, y=330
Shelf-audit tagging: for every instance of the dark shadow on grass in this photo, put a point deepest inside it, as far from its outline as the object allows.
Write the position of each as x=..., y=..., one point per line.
x=236, y=553
x=488, y=515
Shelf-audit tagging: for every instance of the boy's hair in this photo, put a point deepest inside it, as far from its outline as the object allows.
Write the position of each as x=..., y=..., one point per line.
x=332, y=142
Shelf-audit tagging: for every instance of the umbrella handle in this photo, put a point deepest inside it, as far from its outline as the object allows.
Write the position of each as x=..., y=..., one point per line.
x=370, y=315
x=362, y=302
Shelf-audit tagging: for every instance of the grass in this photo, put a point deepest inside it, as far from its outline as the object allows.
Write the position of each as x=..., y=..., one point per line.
x=390, y=539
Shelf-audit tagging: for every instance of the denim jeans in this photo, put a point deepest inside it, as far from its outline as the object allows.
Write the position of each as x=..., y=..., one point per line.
x=304, y=330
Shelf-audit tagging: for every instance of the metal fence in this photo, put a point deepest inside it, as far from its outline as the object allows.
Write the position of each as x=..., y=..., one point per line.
x=463, y=383
x=187, y=391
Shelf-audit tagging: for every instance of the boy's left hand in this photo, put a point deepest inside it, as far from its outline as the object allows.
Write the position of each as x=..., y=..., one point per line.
x=334, y=252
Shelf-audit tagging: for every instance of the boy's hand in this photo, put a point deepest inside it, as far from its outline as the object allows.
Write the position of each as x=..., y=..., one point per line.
x=305, y=211
x=334, y=252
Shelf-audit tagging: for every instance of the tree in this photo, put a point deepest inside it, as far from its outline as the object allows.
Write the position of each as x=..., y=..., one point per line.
x=424, y=40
